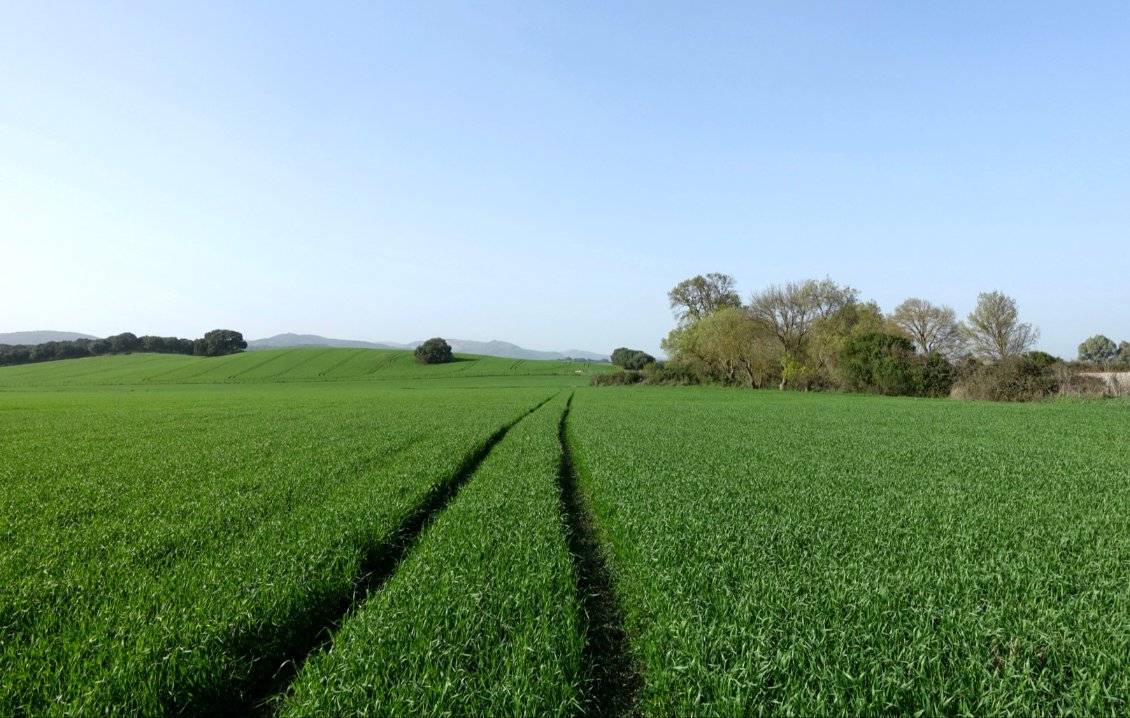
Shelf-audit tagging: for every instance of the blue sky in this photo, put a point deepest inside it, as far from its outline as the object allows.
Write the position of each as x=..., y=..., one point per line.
x=543, y=173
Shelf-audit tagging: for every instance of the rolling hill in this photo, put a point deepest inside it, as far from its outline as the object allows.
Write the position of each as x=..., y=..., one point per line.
x=298, y=364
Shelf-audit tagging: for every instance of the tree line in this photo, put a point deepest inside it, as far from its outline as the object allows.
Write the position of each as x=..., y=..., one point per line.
x=818, y=334
x=217, y=342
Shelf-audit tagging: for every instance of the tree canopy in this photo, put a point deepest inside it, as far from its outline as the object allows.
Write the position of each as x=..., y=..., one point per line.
x=695, y=298
x=931, y=328
x=633, y=359
x=219, y=342
x=994, y=330
x=434, y=351
x=1098, y=350
x=791, y=311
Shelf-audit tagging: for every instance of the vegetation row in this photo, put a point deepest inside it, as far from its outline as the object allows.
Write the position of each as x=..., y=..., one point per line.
x=817, y=334
x=218, y=342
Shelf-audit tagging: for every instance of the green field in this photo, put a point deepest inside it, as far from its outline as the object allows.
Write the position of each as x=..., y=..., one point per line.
x=345, y=532
x=281, y=366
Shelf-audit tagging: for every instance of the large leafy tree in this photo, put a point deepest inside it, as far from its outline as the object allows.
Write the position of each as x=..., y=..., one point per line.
x=737, y=349
x=219, y=342
x=434, y=351
x=931, y=328
x=631, y=358
x=994, y=330
x=124, y=343
x=702, y=295
x=1098, y=350
x=792, y=311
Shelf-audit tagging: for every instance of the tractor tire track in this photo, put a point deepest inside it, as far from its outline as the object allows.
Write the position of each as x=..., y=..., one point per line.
x=614, y=680
x=265, y=694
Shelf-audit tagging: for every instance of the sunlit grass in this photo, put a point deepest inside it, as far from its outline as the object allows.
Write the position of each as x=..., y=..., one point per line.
x=845, y=555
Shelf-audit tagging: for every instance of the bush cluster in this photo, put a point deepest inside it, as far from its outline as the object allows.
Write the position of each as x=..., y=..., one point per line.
x=879, y=363
x=632, y=359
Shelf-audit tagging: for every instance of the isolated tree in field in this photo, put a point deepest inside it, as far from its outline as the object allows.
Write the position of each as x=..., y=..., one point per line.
x=931, y=328
x=1098, y=350
x=789, y=312
x=434, y=351
x=697, y=297
x=219, y=342
x=993, y=328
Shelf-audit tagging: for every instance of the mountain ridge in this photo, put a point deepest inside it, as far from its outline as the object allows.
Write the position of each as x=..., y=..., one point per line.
x=495, y=347
x=41, y=336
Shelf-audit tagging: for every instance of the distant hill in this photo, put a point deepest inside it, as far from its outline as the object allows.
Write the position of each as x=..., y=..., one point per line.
x=496, y=348
x=40, y=337
x=463, y=346
x=283, y=341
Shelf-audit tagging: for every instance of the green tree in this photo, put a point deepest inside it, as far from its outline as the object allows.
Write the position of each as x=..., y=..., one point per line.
x=877, y=363
x=735, y=348
x=790, y=312
x=219, y=342
x=631, y=358
x=434, y=351
x=682, y=348
x=124, y=342
x=698, y=297
x=1098, y=350
x=993, y=328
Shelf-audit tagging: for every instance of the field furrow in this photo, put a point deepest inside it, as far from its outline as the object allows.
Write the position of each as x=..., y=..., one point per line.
x=168, y=551
x=613, y=677
x=482, y=617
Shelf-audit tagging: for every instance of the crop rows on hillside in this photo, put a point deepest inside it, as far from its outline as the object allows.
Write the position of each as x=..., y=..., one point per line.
x=278, y=365
x=839, y=555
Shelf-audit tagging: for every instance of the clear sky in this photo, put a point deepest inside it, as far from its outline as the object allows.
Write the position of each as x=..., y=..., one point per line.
x=543, y=173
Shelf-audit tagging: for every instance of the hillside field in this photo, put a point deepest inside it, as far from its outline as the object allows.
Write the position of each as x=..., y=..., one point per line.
x=346, y=532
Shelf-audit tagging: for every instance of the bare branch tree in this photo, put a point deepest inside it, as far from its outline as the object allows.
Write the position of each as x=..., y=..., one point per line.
x=994, y=330
x=931, y=328
x=790, y=312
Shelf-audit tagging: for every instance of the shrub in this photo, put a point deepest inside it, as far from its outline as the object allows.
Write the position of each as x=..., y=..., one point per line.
x=616, y=378
x=881, y=363
x=669, y=374
x=932, y=375
x=1015, y=378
